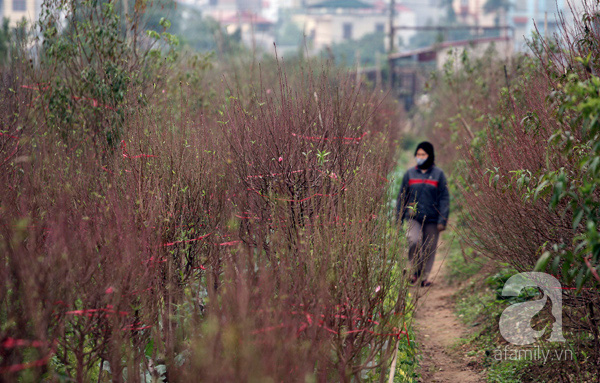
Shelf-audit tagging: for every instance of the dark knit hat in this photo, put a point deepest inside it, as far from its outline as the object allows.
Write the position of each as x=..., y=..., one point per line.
x=428, y=148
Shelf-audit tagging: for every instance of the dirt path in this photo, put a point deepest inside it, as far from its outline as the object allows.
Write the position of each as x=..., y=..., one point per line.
x=438, y=329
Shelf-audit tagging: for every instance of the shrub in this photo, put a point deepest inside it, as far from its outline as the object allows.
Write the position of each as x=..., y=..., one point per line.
x=156, y=226
x=530, y=184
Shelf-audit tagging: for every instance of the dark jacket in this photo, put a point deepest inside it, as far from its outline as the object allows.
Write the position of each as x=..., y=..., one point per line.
x=430, y=192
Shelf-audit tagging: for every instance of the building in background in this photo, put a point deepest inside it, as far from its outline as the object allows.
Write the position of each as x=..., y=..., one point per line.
x=334, y=21
x=412, y=68
x=437, y=56
x=521, y=16
x=256, y=31
x=427, y=12
x=18, y=10
x=526, y=15
x=473, y=12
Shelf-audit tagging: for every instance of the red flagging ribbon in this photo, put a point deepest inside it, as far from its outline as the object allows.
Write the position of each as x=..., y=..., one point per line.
x=187, y=240
x=9, y=136
x=14, y=150
x=132, y=327
x=231, y=243
x=11, y=154
x=12, y=342
x=127, y=155
x=37, y=87
x=91, y=312
x=24, y=366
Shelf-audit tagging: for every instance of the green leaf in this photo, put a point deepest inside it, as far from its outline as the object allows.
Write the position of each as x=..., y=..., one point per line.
x=153, y=35
x=542, y=262
x=165, y=23
x=567, y=272
x=577, y=219
x=540, y=188
x=555, y=265
x=581, y=278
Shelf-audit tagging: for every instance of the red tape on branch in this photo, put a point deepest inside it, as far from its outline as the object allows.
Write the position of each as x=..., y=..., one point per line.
x=232, y=243
x=25, y=366
x=132, y=327
x=187, y=240
x=36, y=87
x=92, y=312
x=11, y=154
x=9, y=136
x=155, y=260
x=127, y=155
x=12, y=343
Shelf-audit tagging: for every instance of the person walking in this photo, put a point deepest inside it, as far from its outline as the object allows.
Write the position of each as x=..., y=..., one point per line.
x=425, y=202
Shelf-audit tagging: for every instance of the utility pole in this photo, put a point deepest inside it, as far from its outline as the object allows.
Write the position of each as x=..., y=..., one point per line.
x=391, y=48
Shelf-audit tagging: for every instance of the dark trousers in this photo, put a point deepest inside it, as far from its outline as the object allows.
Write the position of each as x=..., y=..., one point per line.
x=422, y=244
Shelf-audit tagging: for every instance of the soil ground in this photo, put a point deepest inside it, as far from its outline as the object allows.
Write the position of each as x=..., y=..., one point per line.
x=438, y=329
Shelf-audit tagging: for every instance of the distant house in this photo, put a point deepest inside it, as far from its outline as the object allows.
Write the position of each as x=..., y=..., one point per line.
x=437, y=55
x=522, y=16
x=18, y=10
x=256, y=31
x=246, y=21
x=334, y=21
x=412, y=68
x=471, y=12
x=245, y=16
x=241, y=5
x=525, y=15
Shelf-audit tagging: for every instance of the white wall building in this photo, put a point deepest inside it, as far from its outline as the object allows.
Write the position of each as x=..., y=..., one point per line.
x=17, y=10
x=336, y=21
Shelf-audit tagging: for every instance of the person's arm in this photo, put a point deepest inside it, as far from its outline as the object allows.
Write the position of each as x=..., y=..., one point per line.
x=443, y=202
x=402, y=198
